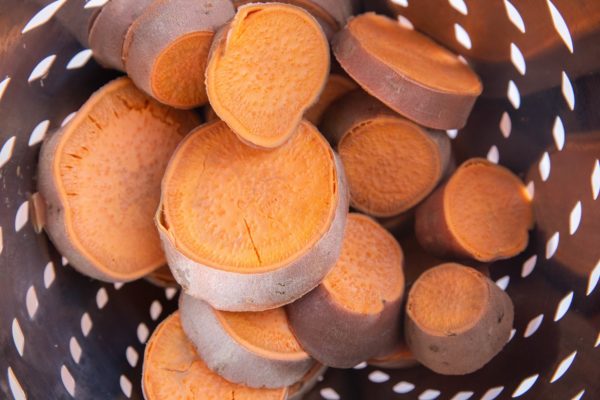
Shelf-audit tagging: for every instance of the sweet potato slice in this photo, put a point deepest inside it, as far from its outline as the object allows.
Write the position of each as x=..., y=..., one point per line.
x=265, y=68
x=166, y=48
x=246, y=229
x=336, y=87
x=407, y=71
x=100, y=178
x=391, y=163
x=255, y=349
x=483, y=212
x=456, y=319
x=174, y=371
x=354, y=314
x=107, y=34
x=400, y=357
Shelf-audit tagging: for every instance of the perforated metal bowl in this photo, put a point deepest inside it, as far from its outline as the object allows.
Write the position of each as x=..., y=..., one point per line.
x=66, y=336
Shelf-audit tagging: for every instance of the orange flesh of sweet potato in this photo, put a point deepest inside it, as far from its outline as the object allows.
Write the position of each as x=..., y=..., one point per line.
x=107, y=167
x=265, y=69
x=241, y=209
x=268, y=330
x=448, y=301
x=368, y=273
x=488, y=210
x=178, y=74
x=174, y=371
x=391, y=165
x=116, y=179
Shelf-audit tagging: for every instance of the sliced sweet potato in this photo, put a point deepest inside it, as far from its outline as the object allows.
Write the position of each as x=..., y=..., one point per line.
x=174, y=371
x=337, y=86
x=166, y=48
x=483, y=212
x=407, y=71
x=391, y=163
x=100, y=179
x=400, y=357
x=265, y=68
x=107, y=34
x=456, y=319
x=255, y=349
x=355, y=313
x=246, y=229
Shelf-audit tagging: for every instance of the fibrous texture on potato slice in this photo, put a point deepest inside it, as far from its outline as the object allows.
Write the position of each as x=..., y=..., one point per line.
x=482, y=212
x=456, y=319
x=100, y=177
x=266, y=67
x=174, y=371
x=336, y=87
x=247, y=229
x=354, y=314
x=107, y=34
x=230, y=342
x=166, y=48
x=407, y=71
x=391, y=163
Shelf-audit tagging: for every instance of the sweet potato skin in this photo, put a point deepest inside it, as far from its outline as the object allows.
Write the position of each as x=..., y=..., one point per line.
x=443, y=111
x=459, y=353
x=230, y=359
x=339, y=338
x=107, y=34
x=233, y=291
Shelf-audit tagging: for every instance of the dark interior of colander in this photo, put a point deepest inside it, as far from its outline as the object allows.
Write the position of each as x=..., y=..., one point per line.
x=66, y=336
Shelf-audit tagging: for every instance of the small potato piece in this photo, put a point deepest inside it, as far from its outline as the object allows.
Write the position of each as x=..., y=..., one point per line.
x=100, y=178
x=355, y=313
x=483, y=212
x=456, y=319
x=410, y=73
x=391, y=163
x=174, y=371
x=265, y=68
x=255, y=349
x=166, y=48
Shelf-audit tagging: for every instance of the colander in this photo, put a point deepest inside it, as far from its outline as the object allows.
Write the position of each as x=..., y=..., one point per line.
x=66, y=336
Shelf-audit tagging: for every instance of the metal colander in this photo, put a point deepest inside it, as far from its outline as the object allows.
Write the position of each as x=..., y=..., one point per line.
x=66, y=336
